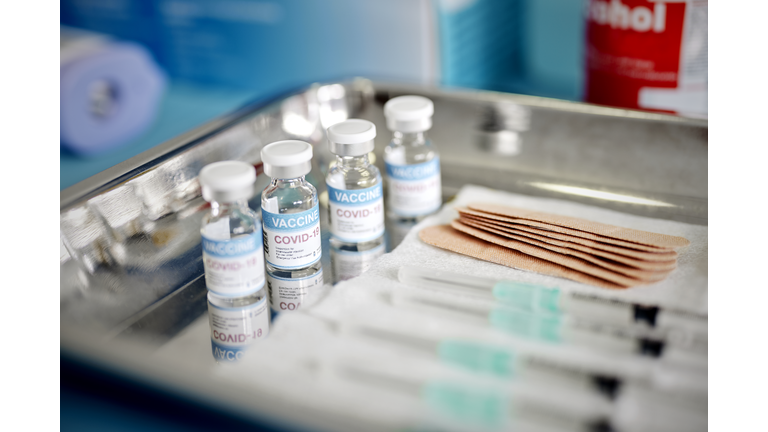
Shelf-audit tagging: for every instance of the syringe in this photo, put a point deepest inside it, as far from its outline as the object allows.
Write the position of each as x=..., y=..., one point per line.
x=535, y=298
x=509, y=363
x=611, y=398
x=477, y=407
x=557, y=329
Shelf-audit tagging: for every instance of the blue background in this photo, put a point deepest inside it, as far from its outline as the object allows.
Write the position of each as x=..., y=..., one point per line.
x=523, y=46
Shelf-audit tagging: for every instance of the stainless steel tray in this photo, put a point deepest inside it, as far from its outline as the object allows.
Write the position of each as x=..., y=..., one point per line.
x=131, y=271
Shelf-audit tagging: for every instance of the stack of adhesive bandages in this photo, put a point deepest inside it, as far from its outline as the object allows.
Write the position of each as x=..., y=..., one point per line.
x=585, y=251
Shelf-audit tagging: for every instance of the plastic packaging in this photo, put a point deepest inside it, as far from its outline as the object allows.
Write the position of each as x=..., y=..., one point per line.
x=540, y=299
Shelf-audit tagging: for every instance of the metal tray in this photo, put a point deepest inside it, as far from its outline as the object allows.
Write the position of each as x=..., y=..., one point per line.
x=131, y=271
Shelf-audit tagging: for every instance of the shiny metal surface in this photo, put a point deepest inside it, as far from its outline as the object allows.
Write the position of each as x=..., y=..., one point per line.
x=130, y=264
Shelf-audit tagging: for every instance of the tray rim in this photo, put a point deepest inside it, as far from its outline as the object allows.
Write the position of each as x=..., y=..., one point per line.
x=145, y=161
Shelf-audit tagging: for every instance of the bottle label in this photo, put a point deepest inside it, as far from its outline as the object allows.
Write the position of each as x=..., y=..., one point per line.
x=356, y=215
x=648, y=55
x=292, y=240
x=414, y=190
x=234, y=267
x=234, y=329
x=288, y=294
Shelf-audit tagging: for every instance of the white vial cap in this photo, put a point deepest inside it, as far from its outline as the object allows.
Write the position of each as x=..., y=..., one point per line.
x=409, y=113
x=287, y=159
x=227, y=181
x=353, y=137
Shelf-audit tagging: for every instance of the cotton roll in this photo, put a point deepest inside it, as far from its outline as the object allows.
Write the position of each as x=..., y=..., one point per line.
x=110, y=91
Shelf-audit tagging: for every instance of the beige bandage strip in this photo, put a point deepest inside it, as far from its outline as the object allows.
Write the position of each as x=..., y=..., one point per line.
x=445, y=237
x=564, y=260
x=610, y=231
x=563, y=230
x=556, y=245
x=633, y=272
x=569, y=240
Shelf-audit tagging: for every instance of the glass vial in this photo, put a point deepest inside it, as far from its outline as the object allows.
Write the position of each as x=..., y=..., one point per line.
x=233, y=259
x=412, y=161
x=233, y=256
x=291, y=217
x=355, y=193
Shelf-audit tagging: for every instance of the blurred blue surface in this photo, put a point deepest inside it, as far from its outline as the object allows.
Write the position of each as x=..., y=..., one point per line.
x=524, y=46
x=480, y=42
x=553, y=49
x=267, y=45
x=531, y=47
x=184, y=107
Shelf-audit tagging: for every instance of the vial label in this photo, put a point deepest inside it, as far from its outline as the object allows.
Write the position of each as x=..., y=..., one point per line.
x=287, y=294
x=234, y=267
x=234, y=329
x=414, y=190
x=356, y=215
x=292, y=241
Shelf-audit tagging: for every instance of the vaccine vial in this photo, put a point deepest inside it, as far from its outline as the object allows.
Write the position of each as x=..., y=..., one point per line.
x=412, y=161
x=233, y=256
x=233, y=260
x=291, y=215
x=355, y=193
